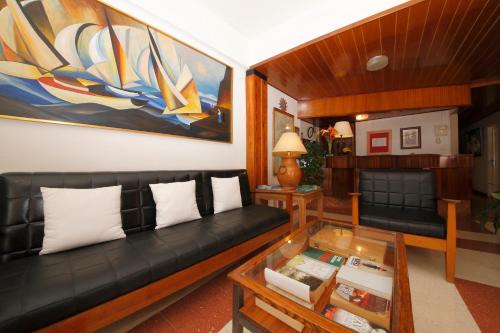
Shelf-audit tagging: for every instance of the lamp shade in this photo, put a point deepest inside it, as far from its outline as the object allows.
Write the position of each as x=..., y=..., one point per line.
x=289, y=142
x=343, y=129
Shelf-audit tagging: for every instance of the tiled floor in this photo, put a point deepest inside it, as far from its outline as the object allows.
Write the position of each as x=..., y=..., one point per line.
x=207, y=309
x=483, y=302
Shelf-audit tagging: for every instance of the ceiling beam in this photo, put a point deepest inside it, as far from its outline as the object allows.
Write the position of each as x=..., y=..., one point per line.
x=434, y=97
x=485, y=82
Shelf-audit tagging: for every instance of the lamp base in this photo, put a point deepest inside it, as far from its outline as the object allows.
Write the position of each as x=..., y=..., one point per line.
x=289, y=173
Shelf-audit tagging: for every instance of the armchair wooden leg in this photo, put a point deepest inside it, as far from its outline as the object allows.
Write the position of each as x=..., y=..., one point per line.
x=355, y=210
x=451, y=242
x=450, y=264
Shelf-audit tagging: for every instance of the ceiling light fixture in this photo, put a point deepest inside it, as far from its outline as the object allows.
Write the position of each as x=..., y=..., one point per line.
x=361, y=117
x=377, y=63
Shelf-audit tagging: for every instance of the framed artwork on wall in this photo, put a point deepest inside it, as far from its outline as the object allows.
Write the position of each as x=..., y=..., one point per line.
x=282, y=122
x=379, y=142
x=411, y=137
x=310, y=133
x=84, y=63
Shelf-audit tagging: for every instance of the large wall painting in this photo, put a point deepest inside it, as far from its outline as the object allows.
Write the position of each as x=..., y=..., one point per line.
x=83, y=63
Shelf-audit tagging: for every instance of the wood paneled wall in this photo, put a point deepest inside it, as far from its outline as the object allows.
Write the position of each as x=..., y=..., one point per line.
x=435, y=97
x=256, y=91
x=453, y=174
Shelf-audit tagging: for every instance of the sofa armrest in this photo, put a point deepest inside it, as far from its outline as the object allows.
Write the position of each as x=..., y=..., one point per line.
x=355, y=206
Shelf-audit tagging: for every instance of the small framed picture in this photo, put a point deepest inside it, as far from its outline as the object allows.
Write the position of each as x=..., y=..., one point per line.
x=411, y=138
x=379, y=142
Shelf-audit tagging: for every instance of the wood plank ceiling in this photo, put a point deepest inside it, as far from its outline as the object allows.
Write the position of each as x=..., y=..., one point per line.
x=429, y=43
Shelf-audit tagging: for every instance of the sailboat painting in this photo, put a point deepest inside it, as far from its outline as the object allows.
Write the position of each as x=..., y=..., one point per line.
x=81, y=62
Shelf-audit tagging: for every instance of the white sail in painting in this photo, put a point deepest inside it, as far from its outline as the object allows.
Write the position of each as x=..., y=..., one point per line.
x=66, y=44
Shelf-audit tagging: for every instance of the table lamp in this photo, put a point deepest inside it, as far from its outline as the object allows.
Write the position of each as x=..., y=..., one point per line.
x=344, y=130
x=289, y=146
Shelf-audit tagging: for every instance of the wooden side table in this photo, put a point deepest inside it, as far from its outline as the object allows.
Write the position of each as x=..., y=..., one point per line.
x=291, y=196
x=303, y=198
x=262, y=196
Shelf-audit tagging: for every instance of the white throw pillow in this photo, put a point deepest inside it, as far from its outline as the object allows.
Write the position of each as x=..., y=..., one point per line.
x=80, y=217
x=226, y=193
x=175, y=203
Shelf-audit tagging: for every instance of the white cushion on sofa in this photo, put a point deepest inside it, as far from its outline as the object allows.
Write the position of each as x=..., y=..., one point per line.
x=226, y=193
x=175, y=203
x=80, y=217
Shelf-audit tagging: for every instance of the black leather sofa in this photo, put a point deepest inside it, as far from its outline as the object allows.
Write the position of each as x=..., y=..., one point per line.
x=405, y=201
x=37, y=291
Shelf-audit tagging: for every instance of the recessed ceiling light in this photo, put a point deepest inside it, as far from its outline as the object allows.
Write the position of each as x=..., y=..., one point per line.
x=361, y=117
x=377, y=63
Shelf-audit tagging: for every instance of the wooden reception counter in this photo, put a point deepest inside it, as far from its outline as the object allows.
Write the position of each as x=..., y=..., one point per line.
x=453, y=173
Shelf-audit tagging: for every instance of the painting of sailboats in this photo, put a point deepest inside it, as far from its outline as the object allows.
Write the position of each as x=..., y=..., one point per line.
x=81, y=62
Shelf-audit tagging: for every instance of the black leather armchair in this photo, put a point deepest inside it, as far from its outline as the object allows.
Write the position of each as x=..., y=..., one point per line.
x=405, y=201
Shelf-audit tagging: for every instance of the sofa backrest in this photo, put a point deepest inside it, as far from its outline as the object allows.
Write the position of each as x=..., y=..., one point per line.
x=408, y=188
x=21, y=204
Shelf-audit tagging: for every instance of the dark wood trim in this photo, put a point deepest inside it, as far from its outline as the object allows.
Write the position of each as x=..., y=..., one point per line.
x=476, y=192
x=485, y=82
x=453, y=173
x=256, y=72
x=120, y=307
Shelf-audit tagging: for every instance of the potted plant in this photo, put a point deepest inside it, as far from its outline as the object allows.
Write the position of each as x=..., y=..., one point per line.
x=312, y=163
x=492, y=211
x=329, y=135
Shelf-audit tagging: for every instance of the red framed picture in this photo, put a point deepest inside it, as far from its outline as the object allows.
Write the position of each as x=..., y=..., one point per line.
x=379, y=142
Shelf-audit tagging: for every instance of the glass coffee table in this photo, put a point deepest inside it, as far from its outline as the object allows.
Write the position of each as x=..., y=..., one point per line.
x=326, y=277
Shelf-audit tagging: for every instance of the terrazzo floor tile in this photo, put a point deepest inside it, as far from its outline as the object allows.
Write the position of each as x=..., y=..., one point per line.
x=437, y=305
x=483, y=302
x=207, y=309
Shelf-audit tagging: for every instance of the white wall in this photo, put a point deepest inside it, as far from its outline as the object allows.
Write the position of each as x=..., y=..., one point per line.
x=32, y=146
x=273, y=98
x=480, y=171
x=425, y=120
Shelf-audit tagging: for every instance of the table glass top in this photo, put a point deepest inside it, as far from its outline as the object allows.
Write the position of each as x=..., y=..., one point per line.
x=330, y=266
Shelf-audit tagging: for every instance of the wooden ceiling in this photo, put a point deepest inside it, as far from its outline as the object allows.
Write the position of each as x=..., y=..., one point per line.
x=429, y=43
x=324, y=122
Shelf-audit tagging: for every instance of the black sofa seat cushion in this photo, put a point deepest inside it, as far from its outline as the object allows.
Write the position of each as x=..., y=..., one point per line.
x=410, y=221
x=36, y=291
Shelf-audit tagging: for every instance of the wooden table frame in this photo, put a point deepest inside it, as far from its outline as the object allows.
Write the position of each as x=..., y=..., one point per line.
x=303, y=198
x=291, y=196
x=245, y=290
